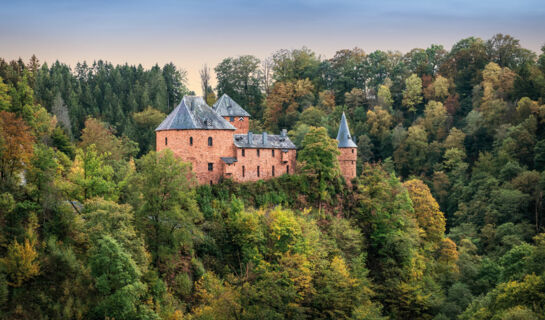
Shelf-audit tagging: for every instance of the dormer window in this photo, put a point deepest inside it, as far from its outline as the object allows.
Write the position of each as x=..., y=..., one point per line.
x=231, y=119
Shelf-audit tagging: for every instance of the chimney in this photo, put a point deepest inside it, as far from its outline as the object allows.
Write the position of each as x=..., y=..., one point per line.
x=265, y=138
x=283, y=132
x=250, y=137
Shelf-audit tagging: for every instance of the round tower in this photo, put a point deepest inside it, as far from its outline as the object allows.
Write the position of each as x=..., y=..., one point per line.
x=348, y=149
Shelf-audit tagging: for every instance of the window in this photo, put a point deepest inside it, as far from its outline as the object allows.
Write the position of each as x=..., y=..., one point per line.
x=210, y=141
x=258, y=171
x=273, y=153
x=258, y=152
x=243, y=171
x=166, y=141
x=288, y=169
x=232, y=119
x=352, y=150
x=210, y=166
x=243, y=153
x=190, y=141
x=273, y=171
x=210, y=182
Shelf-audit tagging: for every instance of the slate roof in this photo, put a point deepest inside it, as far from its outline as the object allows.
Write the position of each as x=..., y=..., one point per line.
x=227, y=107
x=272, y=141
x=194, y=113
x=228, y=160
x=344, y=137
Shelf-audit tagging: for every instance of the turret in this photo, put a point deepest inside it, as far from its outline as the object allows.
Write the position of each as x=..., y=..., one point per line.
x=348, y=149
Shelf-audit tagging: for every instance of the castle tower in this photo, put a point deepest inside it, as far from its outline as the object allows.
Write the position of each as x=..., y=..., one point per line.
x=231, y=111
x=348, y=149
x=197, y=134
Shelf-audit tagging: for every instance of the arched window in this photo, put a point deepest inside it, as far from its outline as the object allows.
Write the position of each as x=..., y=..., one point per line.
x=273, y=153
x=190, y=141
x=258, y=152
x=352, y=150
x=243, y=153
x=166, y=141
x=210, y=141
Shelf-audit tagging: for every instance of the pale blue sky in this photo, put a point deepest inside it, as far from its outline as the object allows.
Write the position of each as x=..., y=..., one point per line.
x=192, y=32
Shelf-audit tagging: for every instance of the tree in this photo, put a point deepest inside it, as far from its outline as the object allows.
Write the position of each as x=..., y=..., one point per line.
x=147, y=121
x=240, y=78
x=286, y=101
x=175, y=81
x=15, y=147
x=60, y=110
x=411, y=155
x=438, y=90
x=384, y=97
x=117, y=280
x=506, y=51
x=412, y=95
x=21, y=261
x=297, y=64
x=429, y=216
x=319, y=154
x=5, y=98
x=379, y=122
x=166, y=206
x=91, y=176
x=436, y=120
x=207, y=92
x=319, y=158
x=107, y=218
x=106, y=143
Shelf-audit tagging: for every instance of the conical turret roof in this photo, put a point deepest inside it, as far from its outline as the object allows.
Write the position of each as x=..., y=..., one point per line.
x=344, y=137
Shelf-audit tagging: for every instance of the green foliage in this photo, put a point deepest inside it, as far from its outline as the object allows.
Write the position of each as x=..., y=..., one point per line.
x=166, y=206
x=128, y=238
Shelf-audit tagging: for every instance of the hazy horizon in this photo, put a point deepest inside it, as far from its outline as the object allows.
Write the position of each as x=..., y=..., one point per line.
x=192, y=33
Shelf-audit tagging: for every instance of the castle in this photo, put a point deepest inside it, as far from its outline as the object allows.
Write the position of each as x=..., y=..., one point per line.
x=217, y=142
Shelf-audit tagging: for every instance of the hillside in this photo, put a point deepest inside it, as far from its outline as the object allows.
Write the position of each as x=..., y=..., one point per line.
x=444, y=220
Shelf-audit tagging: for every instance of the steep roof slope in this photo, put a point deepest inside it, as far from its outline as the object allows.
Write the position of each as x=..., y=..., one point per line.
x=227, y=107
x=194, y=113
x=344, y=137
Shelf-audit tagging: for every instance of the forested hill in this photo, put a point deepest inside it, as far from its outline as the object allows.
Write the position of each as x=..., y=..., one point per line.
x=444, y=221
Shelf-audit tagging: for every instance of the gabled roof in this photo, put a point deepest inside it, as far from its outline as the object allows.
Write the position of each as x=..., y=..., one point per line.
x=194, y=113
x=227, y=107
x=344, y=137
x=271, y=141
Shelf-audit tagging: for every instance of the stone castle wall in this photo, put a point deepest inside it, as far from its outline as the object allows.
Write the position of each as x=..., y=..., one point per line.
x=243, y=126
x=246, y=168
x=200, y=154
x=347, y=162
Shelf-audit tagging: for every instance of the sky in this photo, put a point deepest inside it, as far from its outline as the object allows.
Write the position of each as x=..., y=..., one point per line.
x=191, y=33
